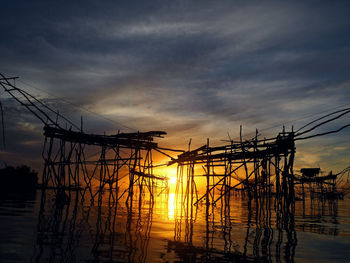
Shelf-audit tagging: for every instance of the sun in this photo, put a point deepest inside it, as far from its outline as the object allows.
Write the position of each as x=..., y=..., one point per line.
x=172, y=180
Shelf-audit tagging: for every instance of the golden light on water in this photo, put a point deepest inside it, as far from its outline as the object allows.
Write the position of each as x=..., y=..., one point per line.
x=171, y=205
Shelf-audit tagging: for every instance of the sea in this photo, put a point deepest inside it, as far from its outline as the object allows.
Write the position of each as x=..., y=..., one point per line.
x=34, y=227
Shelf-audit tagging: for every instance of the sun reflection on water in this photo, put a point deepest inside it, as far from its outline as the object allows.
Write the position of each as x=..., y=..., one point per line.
x=167, y=231
x=171, y=206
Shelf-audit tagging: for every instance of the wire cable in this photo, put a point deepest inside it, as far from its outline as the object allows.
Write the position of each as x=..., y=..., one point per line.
x=77, y=106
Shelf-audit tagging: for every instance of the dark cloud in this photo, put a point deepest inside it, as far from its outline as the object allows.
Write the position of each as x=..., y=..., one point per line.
x=193, y=69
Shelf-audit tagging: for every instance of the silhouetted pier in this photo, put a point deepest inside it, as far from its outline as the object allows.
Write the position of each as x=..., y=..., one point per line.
x=258, y=168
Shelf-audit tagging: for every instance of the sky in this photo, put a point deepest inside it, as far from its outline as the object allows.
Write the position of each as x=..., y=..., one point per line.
x=195, y=69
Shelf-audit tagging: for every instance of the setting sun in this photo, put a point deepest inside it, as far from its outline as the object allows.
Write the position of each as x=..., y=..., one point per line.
x=172, y=180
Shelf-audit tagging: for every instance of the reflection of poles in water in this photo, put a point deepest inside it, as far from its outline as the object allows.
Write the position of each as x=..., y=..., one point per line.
x=262, y=242
x=285, y=224
x=245, y=249
x=112, y=214
x=147, y=233
x=56, y=231
x=104, y=237
x=60, y=229
x=184, y=219
x=61, y=226
x=183, y=232
x=183, y=203
x=320, y=208
x=137, y=233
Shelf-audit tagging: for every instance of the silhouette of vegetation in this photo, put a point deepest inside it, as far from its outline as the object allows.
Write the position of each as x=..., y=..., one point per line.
x=18, y=179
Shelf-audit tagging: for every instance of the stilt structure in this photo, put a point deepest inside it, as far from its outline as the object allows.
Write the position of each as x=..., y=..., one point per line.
x=257, y=168
x=243, y=167
x=68, y=166
x=75, y=160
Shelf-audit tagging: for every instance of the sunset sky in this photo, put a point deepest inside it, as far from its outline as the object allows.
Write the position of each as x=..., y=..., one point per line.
x=194, y=69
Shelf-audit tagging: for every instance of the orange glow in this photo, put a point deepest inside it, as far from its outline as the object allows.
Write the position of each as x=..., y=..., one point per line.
x=170, y=172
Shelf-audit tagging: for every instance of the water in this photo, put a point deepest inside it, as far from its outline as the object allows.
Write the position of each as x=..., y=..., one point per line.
x=34, y=229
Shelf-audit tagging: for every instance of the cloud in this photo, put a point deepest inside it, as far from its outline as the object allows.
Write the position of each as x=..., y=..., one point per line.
x=194, y=69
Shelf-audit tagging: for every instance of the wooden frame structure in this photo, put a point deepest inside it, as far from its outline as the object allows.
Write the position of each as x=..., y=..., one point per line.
x=255, y=168
x=68, y=166
x=68, y=160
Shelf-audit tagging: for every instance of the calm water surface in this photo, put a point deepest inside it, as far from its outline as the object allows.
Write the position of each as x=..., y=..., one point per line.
x=34, y=229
